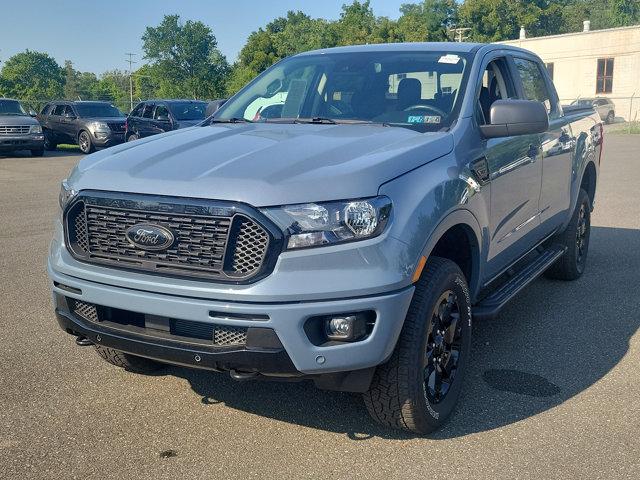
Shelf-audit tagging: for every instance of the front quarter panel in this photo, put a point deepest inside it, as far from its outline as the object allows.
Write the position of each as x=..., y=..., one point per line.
x=431, y=199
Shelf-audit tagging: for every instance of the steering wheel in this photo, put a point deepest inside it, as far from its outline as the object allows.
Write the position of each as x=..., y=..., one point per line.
x=426, y=107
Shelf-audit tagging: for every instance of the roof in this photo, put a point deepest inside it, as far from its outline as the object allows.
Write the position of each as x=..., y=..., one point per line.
x=455, y=47
x=173, y=100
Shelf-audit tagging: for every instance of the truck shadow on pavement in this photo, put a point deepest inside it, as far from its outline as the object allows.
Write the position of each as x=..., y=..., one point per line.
x=555, y=340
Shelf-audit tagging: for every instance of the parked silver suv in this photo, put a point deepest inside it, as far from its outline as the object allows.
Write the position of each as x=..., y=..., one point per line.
x=18, y=130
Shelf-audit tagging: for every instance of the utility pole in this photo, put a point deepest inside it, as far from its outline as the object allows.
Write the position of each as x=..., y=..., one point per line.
x=460, y=33
x=131, y=62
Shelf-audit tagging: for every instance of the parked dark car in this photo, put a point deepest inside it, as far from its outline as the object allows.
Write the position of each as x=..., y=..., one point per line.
x=18, y=131
x=86, y=124
x=158, y=116
x=602, y=105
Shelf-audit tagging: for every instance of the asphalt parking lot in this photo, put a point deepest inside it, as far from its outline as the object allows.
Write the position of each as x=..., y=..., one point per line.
x=554, y=390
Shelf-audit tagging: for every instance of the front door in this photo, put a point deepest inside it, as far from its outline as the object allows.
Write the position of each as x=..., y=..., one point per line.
x=515, y=175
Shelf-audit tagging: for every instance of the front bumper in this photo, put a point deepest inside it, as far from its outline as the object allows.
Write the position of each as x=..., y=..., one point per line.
x=107, y=139
x=285, y=319
x=21, y=142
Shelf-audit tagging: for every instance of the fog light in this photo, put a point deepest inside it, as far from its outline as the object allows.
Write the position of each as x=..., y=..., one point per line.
x=346, y=328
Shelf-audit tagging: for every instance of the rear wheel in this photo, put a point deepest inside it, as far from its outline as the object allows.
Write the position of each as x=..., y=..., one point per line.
x=85, y=143
x=610, y=117
x=127, y=361
x=417, y=389
x=576, y=239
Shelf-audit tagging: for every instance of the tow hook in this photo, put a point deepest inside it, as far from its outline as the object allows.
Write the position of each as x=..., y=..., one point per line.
x=83, y=341
x=242, y=376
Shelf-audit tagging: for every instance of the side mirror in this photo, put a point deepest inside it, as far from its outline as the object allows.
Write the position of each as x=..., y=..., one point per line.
x=32, y=113
x=516, y=117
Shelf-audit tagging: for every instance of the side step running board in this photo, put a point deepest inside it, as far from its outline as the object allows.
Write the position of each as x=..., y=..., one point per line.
x=491, y=305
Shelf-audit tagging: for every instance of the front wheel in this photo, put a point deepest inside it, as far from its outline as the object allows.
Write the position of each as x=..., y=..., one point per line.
x=49, y=142
x=132, y=138
x=418, y=388
x=85, y=143
x=37, y=153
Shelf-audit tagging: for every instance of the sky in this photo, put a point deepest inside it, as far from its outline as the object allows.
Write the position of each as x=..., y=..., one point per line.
x=96, y=35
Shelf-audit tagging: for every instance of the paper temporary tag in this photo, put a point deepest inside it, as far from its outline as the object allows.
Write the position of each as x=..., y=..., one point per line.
x=449, y=58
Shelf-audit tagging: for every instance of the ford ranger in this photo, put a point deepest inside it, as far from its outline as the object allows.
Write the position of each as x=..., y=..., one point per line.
x=340, y=219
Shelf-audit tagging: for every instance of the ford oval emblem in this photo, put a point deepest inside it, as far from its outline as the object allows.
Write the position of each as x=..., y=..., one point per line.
x=149, y=237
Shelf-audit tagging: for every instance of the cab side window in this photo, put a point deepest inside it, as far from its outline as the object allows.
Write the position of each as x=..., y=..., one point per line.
x=162, y=113
x=534, y=85
x=137, y=112
x=497, y=84
x=59, y=110
x=148, y=110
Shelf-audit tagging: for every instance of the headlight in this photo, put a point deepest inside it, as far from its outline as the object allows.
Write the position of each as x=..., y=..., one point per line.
x=66, y=194
x=98, y=127
x=317, y=224
x=35, y=129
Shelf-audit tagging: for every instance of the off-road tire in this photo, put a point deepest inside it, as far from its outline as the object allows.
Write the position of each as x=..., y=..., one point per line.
x=572, y=264
x=127, y=361
x=397, y=396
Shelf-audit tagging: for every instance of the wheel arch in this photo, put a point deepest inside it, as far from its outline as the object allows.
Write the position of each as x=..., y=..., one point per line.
x=458, y=238
x=589, y=181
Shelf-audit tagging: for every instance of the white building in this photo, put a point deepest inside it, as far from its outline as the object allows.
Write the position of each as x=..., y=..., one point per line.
x=593, y=63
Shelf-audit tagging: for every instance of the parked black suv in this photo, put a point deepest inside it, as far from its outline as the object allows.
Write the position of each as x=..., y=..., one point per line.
x=87, y=124
x=157, y=116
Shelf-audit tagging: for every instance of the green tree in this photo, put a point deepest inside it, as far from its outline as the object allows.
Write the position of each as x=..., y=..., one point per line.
x=71, y=91
x=186, y=57
x=32, y=75
x=428, y=21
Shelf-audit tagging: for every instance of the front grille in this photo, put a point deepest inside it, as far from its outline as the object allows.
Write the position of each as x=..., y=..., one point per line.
x=224, y=335
x=116, y=127
x=14, y=129
x=223, y=243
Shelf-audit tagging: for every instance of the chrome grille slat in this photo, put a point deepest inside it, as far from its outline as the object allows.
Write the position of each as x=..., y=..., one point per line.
x=7, y=130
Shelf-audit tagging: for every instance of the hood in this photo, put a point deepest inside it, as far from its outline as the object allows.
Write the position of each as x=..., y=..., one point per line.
x=262, y=164
x=17, y=120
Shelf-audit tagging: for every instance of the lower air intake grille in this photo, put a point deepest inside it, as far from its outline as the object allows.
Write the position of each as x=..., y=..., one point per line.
x=224, y=335
x=88, y=311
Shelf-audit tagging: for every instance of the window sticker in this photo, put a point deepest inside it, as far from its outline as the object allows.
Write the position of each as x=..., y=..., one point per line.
x=449, y=58
x=433, y=119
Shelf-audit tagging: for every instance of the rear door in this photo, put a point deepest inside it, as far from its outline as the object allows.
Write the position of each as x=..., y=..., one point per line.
x=161, y=118
x=514, y=172
x=145, y=123
x=557, y=144
x=133, y=120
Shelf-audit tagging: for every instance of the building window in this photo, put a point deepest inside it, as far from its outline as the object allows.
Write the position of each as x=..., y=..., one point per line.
x=604, y=80
x=550, y=69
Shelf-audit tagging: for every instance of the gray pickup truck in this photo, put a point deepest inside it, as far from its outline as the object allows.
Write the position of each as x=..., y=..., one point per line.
x=19, y=130
x=340, y=219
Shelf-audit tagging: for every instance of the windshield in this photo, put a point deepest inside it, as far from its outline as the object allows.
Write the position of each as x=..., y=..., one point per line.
x=97, y=110
x=11, y=107
x=418, y=90
x=188, y=110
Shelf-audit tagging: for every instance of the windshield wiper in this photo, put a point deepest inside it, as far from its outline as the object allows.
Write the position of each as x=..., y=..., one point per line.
x=229, y=120
x=322, y=120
